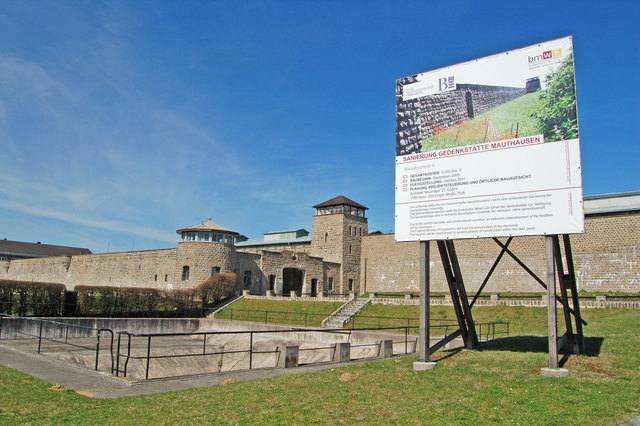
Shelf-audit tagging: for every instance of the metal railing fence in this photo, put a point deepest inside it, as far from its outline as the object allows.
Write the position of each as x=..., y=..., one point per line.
x=125, y=345
x=55, y=331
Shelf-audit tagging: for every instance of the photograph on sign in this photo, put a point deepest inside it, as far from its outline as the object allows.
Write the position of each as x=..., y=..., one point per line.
x=490, y=147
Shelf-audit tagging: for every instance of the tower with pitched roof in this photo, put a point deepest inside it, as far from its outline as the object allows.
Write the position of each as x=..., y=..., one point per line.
x=338, y=227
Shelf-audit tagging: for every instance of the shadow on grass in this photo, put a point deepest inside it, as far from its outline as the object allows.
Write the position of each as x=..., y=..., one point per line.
x=538, y=344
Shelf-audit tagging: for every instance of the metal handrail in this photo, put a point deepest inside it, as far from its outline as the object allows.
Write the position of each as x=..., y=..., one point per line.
x=148, y=357
x=40, y=336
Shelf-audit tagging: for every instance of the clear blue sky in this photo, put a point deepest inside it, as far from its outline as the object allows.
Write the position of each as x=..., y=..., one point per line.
x=121, y=122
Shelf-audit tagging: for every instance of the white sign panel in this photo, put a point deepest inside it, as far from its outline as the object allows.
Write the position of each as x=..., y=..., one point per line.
x=490, y=148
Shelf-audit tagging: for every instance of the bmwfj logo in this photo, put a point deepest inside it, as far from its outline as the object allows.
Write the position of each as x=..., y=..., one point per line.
x=446, y=83
x=549, y=54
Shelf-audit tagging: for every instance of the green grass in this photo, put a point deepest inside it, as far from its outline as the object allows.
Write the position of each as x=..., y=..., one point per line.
x=280, y=311
x=518, y=111
x=499, y=384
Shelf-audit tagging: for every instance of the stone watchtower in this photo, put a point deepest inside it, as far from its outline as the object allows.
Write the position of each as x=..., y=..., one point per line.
x=336, y=236
x=204, y=250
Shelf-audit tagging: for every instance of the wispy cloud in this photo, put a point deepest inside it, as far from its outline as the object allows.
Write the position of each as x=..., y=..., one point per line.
x=75, y=219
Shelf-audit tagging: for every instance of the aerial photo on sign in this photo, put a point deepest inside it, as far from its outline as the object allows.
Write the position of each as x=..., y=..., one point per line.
x=490, y=147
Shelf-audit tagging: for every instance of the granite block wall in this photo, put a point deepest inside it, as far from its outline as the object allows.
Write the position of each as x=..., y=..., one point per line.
x=606, y=259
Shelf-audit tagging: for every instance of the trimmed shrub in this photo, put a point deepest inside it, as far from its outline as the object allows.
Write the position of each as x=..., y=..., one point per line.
x=185, y=303
x=136, y=302
x=218, y=287
x=27, y=298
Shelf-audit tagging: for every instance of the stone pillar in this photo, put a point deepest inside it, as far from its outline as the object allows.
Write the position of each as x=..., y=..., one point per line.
x=293, y=294
x=407, y=296
x=245, y=293
x=372, y=295
x=289, y=357
x=342, y=352
x=494, y=299
x=386, y=348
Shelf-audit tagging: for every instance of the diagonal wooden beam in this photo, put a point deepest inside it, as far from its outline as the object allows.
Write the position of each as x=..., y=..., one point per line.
x=445, y=340
x=493, y=268
x=535, y=277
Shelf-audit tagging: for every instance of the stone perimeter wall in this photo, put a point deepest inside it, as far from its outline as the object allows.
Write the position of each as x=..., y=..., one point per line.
x=415, y=118
x=606, y=259
x=127, y=269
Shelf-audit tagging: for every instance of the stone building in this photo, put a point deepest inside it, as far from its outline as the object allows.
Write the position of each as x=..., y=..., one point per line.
x=327, y=262
x=341, y=256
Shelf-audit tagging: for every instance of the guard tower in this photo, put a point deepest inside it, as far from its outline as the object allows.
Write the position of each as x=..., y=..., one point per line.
x=204, y=250
x=336, y=236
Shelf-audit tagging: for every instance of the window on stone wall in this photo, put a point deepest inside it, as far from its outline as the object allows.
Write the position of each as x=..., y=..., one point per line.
x=330, y=285
x=185, y=273
x=349, y=249
x=155, y=277
x=215, y=270
x=350, y=284
x=166, y=277
x=326, y=235
x=247, y=279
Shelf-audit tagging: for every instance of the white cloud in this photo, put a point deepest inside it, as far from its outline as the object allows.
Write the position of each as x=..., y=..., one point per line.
x=75, y=219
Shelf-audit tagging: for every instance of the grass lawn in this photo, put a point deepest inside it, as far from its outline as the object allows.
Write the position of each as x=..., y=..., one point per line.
x=499, y=384
x=503, y=117
x=280, y=311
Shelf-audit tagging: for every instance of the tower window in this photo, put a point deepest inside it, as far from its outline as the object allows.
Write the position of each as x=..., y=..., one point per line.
x=350, y=284
x=215, y=270
x=330, y=285
x=185, y=273
x=247, y=279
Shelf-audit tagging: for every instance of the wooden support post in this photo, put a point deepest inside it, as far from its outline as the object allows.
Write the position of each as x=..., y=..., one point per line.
x=458, y=293
x=472, y=338
x=424, y=354
x=451, y=281
x=551, y=304
x=571, y=272
x=425, y=302
x=563, y=281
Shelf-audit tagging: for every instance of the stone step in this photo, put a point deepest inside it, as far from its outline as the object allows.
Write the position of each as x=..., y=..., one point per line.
x=344, y=313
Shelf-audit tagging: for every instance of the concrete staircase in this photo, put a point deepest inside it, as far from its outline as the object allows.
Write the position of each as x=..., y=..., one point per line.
x=345, y=313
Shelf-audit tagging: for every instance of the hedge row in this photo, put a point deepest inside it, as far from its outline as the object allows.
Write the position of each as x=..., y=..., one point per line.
x=136, y=302
x=46, y=299
x=26, y=298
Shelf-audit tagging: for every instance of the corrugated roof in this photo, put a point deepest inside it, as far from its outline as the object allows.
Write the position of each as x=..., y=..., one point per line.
x=624, y=202
x=340, y=200
x=207, y=225
x=22, y=249
x=286, y=231
x=257, y=243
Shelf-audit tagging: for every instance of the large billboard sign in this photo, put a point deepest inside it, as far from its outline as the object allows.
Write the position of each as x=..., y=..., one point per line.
x=490, y=147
